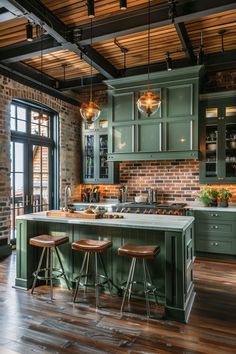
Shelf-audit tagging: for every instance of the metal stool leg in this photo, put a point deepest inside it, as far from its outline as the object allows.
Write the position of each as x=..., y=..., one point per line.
x=96, y=279
x=105, y=271
x=127, y=284
x=86, y=272
x=47, y=266
x=80, y=273
x=131, y=279
x=145, y=289
x=62, y=268
x=150, y=282
x=50, y=272
x=38, y=269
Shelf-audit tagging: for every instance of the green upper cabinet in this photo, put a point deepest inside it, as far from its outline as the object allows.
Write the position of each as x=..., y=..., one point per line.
x=218, y=138
x=170, y=133
x=95, y=141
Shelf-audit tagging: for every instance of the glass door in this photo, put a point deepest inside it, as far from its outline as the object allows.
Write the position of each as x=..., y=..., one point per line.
x=31, y=161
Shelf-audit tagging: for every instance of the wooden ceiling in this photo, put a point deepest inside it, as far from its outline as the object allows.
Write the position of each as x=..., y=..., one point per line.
x=66, y=38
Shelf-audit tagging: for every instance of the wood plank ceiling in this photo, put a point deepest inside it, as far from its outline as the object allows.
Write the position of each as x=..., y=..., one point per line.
x=181, y=39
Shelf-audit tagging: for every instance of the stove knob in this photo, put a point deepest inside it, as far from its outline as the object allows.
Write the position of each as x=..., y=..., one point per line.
x=145, y=211
x=138, y=211
x=128, y=210
x=122, y=210
x=157, y=212
x=117, y=210
x=150, y=212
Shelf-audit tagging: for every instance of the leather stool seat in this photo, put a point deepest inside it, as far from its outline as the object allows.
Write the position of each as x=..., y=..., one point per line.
x=139, y=251
x=91, y=245
x=48, y=241
x=92, y=248
x=49, y=244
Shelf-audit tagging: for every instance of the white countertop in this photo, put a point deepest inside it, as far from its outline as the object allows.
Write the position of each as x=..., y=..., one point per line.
x=150, y=222
x=230, y=208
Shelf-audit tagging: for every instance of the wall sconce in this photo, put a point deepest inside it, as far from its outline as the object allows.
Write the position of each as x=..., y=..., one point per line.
x=90, y=6
x=123, y=4
x=29, y=32
x=169, y=65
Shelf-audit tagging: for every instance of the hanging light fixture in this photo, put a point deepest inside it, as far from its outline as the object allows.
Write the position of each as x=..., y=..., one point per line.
x=123, y=4
x=222, y=33
x=90, y=111
x=29, y=31
x=148, y=103
x=124, y=51
x=169, y=65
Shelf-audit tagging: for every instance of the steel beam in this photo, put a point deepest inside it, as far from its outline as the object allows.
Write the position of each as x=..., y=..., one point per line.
x=40, y=14
x=136, y=21
x=28, y=50
x=185, y=41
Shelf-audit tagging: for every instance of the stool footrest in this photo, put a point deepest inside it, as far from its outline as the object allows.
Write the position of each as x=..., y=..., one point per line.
x=60, y=272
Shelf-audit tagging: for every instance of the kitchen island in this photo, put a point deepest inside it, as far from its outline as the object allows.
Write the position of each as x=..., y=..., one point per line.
x=171, y=271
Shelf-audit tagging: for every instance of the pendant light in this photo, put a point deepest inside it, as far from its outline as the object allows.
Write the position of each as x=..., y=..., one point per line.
x=148, y=104
x=90, y=111
x=123, y=4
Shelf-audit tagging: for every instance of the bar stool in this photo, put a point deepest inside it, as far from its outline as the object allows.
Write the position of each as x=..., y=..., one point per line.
x=97, y=247
x=141, y=252
x=49, y=243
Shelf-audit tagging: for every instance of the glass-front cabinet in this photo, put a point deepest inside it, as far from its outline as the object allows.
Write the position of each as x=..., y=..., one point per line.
x=218, y=141
x=96, y=168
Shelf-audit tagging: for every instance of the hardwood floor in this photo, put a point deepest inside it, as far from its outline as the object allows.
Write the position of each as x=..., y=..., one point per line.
x=34, y=324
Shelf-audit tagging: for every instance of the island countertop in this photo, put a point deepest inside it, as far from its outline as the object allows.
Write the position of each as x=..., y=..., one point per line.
x=150, y=222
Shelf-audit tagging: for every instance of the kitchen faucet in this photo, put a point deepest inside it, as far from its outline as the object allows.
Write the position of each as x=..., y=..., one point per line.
x=67, y=194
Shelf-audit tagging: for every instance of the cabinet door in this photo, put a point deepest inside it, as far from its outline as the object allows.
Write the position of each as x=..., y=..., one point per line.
x=123, y=107
x=180, y=101
x=149, y=137
x=179, y=135
x=102, y=168
x=229, y=137
x=123, y=138
x=89, y=157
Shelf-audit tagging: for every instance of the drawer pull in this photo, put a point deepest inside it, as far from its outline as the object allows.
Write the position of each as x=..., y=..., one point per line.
x=214, y=214
x=215, y=227
x=214, y=244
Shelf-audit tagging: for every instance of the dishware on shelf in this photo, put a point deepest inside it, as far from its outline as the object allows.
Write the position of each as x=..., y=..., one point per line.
x=211, y=146
x=140, y=199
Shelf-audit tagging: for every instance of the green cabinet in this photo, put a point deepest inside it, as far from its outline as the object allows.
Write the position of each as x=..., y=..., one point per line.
x=171, y=133
x=96, y=167
x=215, y=232
x=218, y=139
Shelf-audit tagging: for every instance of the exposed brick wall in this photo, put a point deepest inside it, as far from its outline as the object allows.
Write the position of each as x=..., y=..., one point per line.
x=99, y=95
x=220, y=81
x=69, y=143
x=173, y=180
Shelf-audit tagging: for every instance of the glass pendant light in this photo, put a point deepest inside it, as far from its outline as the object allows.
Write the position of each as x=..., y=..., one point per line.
x=148, y=104
x=90, y=111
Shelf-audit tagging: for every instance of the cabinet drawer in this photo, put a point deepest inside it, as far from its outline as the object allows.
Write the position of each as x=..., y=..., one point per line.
x=215, y=215
x=211, y=245
x=216, y=228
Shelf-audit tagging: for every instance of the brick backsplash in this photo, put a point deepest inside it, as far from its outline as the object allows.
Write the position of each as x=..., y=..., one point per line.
x=173, y=180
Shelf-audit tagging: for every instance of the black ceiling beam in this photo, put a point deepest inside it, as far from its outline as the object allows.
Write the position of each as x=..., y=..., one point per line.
x=25, y=80
x=136, y=21
x=220, y=60
x=28, y=50
x=185, y=41
x=81, y=82
x=38, y=13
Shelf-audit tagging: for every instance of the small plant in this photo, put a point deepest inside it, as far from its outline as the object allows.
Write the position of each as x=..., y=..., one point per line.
x=208, y=196
x=224, y=194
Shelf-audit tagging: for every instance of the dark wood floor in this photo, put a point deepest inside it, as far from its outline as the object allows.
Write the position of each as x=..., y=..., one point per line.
x=34, y=324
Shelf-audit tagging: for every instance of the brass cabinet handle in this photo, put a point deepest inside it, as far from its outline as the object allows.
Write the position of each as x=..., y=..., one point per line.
x=214, y=214
x=26, y=200
x=31, y=199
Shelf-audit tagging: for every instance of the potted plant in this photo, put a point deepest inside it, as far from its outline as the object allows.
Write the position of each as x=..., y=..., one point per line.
x=224, y=195
x=208, y=196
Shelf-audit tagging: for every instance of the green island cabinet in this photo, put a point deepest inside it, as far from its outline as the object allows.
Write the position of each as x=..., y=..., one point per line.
x=215, y=232
x=218, y=138
x=171, y=133
x=96, y=167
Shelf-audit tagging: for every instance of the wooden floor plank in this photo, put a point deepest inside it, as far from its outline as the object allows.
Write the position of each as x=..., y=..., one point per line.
x=35, y=324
